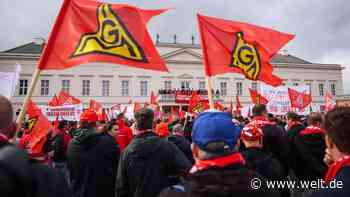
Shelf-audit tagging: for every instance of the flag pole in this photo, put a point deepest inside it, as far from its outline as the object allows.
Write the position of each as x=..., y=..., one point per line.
x=210, y=94
x=27, y=98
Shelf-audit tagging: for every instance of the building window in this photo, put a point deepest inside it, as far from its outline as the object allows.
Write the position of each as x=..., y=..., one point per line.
x=333, y=89
x=254, y=86
x=202, y=85
x=66, y=85
x=143, y=88
x=223, y=88
x=185, y=85
x=321, y=89
x=105, y=87
x=167, y=85
x=86, y=88
x=239, y=89
x=310, y=87
x=295, y=84
x=23, y=87
x=125, y=88
x=44, y=90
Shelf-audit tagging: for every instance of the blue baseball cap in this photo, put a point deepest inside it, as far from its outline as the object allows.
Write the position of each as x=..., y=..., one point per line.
x=215, y=132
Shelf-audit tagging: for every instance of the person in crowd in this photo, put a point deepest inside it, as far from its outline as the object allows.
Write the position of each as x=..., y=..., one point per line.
x=59, y=139
x=19, y=176
x=92, y=159
x=148, y=164
x=177, y=137
x=220, y=170
x=294, y=125
x=337, y=128
x=162, y=129
x=274, y=138
x=123, y=133
x=260, y=161
x=308, y=150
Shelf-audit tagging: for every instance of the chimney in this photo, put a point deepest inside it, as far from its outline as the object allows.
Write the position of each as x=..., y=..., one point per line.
x=175, y=37
x=39, y=41
x=192, y=39
x=157, y=39
x=283, y=52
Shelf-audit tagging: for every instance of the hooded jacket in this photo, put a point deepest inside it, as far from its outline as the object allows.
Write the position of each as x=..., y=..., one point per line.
x=230, y=181
x=183, y=144
x=266, y=165
x=148, y=165
x=308, y=151
x=93, y=161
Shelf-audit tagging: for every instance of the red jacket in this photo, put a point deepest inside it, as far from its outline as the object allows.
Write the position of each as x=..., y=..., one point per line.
x=123, y=135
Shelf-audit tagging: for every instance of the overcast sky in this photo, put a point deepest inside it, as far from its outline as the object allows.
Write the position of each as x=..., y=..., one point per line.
x=322, y=27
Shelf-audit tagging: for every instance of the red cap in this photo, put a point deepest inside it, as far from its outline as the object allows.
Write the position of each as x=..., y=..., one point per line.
x=89, y=116
x=251, y=133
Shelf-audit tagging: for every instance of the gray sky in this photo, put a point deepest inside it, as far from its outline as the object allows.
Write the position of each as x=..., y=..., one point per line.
x=322, y=28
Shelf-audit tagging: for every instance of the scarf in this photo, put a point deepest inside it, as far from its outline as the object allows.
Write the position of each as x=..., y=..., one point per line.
x=336, y=167
x=234, y=158
x=259, y=121
x=312, y=130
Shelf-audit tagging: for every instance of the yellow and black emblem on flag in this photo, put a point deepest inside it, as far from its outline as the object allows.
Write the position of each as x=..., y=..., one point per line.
x=246, y=57
x=31, y=123
x=111, y=38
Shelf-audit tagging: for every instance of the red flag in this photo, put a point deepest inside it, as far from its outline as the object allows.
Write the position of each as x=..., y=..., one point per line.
x=116, y=107
x=257, y=98
x=298, y=99
x=137, y=107
x=39, y=126
x=54, y=101
x=93, y=31
x=95, y=106
x=218, y=106
x=238, y=106
x=182, y=114
x=56, y=123
x=197, y=104
x=64, y=98
x=153, y=99
x=329, y=102
x=230, y=46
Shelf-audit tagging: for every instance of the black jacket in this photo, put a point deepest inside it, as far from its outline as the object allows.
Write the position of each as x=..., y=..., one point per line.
x=183, y=144
x=231, y=181
x=93, y=161
x=19, y=177
x=266, y=165
x=275, y=141
x=294, y=131
x=342, y=177
x=147, y=166
x=308, y=152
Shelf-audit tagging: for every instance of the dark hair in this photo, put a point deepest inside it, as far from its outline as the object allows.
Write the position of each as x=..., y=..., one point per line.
x=259, y=109
x=293, y=116
x=144, y=119
x=337, y=125
x=314, y=118
x=62, y=124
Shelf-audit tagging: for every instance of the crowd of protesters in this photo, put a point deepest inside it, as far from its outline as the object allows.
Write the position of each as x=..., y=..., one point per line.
x=210, y=154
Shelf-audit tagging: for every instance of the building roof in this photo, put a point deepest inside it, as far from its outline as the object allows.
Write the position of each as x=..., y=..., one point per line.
x=35, y=48
x=29, y=48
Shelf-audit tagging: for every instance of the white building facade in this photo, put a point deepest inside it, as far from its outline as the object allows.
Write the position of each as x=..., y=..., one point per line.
x=111, y=84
